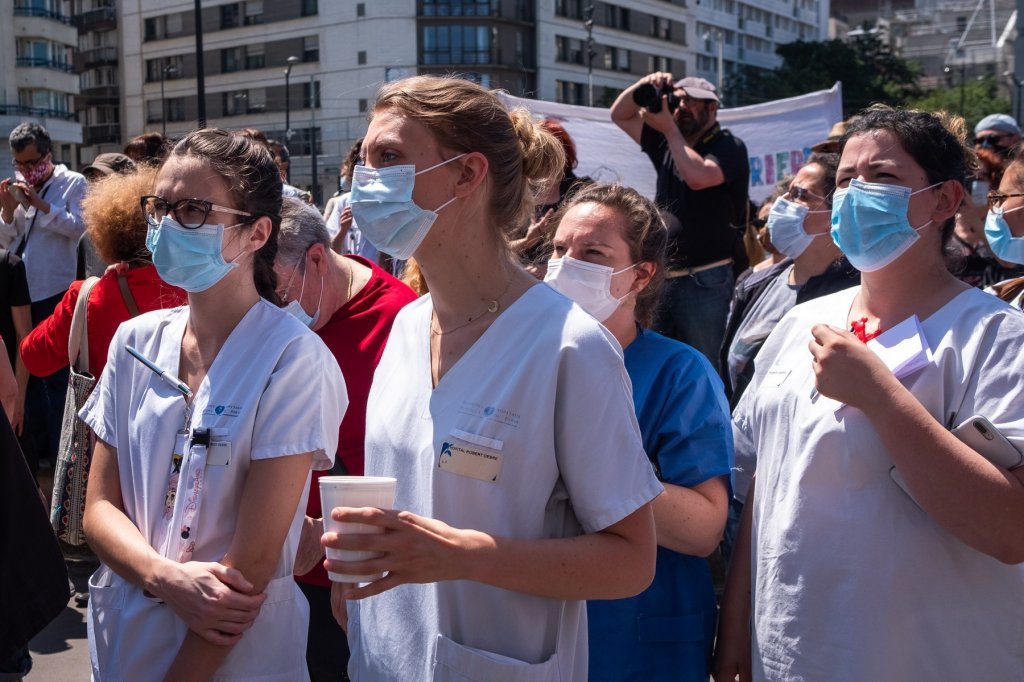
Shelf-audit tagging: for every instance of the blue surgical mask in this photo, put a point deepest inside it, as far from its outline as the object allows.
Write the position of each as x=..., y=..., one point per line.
x=786, y=227
x=1002, y=242
x=295, y=307
x=383, y=208
x=870, y=224
x=189, y=258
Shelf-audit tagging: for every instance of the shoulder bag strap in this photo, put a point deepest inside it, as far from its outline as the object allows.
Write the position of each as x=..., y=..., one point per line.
x=126, y=294
x=24, y=240
x=78, y=339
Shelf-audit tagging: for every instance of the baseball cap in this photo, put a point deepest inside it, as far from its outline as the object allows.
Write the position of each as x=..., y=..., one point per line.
x=108, y=164
x=1000, y=122
x=698, y=88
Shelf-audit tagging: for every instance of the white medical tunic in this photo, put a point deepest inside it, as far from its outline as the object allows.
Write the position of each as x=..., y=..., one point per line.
x=853, y=581
x=531, y=434
x=273, y=390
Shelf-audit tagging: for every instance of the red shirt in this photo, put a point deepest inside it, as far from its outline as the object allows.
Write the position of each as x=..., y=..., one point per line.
x=45, y=349
x=356, y=334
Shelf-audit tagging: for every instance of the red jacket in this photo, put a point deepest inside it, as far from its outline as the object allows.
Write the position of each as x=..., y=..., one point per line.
x=45, y=349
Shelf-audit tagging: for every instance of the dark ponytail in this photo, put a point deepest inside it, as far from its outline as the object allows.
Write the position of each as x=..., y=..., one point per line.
x=254, y=184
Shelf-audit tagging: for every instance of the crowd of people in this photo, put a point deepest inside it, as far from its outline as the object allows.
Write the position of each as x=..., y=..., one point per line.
x=581, y=392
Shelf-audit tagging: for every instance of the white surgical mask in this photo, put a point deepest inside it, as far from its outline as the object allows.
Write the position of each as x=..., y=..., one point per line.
x=588, y=284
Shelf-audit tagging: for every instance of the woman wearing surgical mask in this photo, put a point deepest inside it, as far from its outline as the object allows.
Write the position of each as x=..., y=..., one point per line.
x=838, y=573
x=608, y=255
x=202, y=456
x=798, y=226
x=492, y=402
x=1004, y=229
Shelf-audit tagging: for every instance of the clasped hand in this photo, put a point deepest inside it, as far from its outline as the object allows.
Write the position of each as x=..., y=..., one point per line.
x=213, y=600
x=845, y=369
x=412, y=549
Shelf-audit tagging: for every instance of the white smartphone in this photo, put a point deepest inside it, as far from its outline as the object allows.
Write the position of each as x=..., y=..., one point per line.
x=985, y=439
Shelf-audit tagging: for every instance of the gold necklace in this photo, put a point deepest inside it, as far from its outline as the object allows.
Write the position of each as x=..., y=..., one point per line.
x=492, y=307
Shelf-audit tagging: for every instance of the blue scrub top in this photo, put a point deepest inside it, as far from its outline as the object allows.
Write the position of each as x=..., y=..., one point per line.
x=667, y=631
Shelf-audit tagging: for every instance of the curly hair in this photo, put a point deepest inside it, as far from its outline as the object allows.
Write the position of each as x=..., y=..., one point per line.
x=113, y=217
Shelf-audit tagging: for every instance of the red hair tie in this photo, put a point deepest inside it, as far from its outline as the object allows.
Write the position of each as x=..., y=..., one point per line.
x=858, y=328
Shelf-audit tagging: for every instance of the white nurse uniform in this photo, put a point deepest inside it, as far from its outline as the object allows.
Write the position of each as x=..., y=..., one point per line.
x=273, y=390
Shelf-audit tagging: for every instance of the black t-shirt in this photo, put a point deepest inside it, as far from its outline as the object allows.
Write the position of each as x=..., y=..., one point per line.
x=13, y=292
x=708, y=218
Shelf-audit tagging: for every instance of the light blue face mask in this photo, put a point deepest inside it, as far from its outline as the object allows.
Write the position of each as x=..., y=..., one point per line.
x=786, y=227
x=383, y=208
x=294, y=306
x=189, y=258
x=870, y=224
x=1002, y=242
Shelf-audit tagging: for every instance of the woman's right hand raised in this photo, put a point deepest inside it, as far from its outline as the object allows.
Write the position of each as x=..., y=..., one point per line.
x=211, y=598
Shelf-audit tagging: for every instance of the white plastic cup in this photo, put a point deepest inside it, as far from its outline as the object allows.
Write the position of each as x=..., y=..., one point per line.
x=354, y=491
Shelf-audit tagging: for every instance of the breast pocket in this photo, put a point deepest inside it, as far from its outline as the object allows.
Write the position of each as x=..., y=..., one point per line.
x=454, y=662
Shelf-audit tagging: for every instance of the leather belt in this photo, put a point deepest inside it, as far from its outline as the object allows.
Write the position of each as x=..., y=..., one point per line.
x=686, y=272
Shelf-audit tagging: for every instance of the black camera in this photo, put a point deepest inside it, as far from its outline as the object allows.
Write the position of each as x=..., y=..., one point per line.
x=649, y=97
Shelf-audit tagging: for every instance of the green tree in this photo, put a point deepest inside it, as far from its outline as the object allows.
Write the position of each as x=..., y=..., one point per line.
x=974, y=100
x=869, y=71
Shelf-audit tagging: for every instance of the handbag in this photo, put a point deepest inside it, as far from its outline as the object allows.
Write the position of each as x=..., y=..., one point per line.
x=75, y=449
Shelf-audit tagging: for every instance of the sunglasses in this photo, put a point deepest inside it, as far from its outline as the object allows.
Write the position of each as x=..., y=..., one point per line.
x=988, y=141
x=804, y=195
x=190, y=213
x=996, y=199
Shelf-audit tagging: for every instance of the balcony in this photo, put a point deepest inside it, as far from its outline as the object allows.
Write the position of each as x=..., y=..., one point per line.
x=19, y=110
x=100, y=56
x=105, y=133
x=100, y=94
x=96, y=20
x=22, y=9
x=42, y=63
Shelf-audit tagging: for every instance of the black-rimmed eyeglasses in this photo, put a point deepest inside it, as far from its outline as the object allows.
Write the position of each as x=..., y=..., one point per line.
x=190, y=213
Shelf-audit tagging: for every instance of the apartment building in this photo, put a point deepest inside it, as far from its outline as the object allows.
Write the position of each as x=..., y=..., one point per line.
x=37, y=74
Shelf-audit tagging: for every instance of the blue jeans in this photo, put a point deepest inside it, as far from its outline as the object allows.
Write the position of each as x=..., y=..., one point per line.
x=693, y=309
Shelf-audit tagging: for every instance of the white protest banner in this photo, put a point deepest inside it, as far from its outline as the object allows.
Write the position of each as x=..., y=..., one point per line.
x=778, y=134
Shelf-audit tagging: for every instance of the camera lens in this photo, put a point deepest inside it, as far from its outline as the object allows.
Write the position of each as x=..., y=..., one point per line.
x=647, y=96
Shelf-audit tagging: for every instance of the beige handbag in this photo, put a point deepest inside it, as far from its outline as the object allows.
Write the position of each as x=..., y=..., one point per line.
x=72, y=472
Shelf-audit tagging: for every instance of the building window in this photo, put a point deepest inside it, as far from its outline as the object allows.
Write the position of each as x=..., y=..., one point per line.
x=362, y=106
x=254, y=57
x=232, y=59
x=311, y=93
x=311, y=49
x=459, y=8
x=661, y=28
x=253, y=12
x=235, y=102
x=361, y=57
x=155, y=28
x=230, y=16
x=617, y=17
x=360, y=9
x=569, y=49
x=568, y=92
x=455, y=44
x=155, y=68
x=570, y=9
x=310, y=8
x=659, y=63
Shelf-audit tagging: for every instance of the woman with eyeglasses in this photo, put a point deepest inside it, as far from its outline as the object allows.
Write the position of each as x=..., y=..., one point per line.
x=1004, y=230
x=208, y=419
x=798, y=226
x=839, y=573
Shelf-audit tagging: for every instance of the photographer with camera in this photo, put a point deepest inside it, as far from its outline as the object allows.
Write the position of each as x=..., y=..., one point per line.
x=703, y=172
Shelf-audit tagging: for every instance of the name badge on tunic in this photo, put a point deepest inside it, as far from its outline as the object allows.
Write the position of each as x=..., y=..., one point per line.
x=473, y=461
x=220, y=448
x=774, y=378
